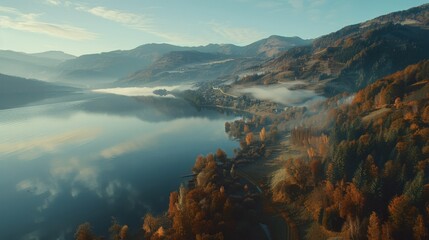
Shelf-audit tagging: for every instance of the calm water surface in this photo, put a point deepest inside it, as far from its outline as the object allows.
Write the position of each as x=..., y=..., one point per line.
x=93, y=156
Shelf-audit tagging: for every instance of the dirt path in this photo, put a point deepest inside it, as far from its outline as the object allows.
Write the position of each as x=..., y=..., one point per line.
x=226, y=94
x=259, y=174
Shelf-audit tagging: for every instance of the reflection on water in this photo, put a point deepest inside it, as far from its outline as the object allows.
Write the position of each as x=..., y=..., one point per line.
x=90, y=157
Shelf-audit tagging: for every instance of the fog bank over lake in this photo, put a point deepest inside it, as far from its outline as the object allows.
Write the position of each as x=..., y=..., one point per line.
x=143, y=91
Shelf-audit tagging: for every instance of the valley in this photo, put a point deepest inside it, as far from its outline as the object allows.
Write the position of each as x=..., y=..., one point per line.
x=283, y=138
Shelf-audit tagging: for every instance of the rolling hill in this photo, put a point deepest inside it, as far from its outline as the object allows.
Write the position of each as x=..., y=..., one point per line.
x=125, y=64
x=37, y=65
x=357, y=55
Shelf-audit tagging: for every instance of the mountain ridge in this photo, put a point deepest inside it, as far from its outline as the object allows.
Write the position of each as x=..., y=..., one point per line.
x=120, y=63
x=57, y=55
x=356, y=55
x=32, y=65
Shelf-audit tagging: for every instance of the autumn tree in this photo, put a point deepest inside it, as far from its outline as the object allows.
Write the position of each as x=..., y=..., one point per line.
x=204, y=236
x=172, y=204
x=419, y=229
x=401, y=215
x=84, y=232
x=114, y=230
x=249, y=138
x=220, y=155
x=298, y=172
x=207, y=173
x=352, y=202
x=374, y=230
x=398, y=103
x=354, y=229
x=246, y=128
x=150, y=223
x=425, y=114
x=182, y=225
x=385, y=232
x=123, y=233
x=200, y=163
x=262, y=134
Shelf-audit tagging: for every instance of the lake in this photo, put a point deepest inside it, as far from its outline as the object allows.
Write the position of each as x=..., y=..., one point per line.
x=88, y=157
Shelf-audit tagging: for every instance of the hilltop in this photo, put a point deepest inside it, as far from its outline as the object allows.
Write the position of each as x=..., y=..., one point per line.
x=357, y=55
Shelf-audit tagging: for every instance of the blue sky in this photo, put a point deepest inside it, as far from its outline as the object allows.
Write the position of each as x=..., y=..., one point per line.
x=91, y=26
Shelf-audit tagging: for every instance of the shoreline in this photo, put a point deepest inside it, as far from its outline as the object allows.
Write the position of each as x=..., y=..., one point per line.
x=259, y=172
x=235, y=109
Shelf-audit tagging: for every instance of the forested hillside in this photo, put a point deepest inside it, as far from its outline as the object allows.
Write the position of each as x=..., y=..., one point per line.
x=355, y=56
x=373, y=180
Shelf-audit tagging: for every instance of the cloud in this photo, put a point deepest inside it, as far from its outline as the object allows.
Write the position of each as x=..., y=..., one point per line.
x=88, y=176
x=78, y=171
x=146, y=141
x=115, y=187
x=306, y=4
x=297, y=4
x=59, y=3
x=131, y=20
x=135, y=21
x=316, y=3
x=270, y=4
x=9, y=10
x=38, y=188
x=30, y=149
x=53, y=2
x=34, y=235
x=126, y=147
x=82, y=173
x=140, y=22
x=12, y=18
x=234, y=34
x=74, y=192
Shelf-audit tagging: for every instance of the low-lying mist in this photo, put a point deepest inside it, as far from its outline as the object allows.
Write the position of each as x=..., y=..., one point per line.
x=282, y=93
x=143, y=91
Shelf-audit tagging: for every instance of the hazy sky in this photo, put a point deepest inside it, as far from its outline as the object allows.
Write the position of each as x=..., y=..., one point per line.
x=90, y=26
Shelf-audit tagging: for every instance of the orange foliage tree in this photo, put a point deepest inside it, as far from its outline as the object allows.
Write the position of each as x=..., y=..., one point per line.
x=374, y=230
x=419, y=229
x=84, y=232
x=249, y=138
x=401, y=215
x=262, y=134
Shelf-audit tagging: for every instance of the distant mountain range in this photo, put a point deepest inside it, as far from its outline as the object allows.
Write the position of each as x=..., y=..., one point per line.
x=37, y=65
x=189, y=66
x=55, y=55
x=212, y=61
x=129, y=65
x=353, y=57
